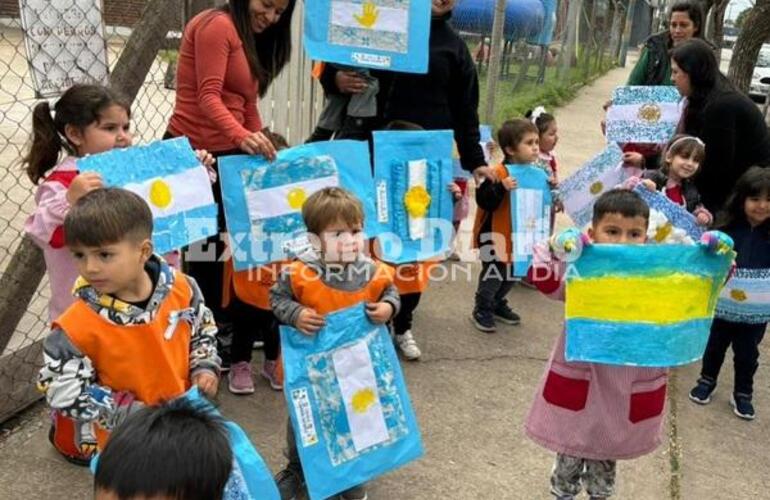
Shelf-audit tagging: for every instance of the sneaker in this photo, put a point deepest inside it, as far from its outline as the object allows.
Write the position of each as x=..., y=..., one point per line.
x=506, y=314
x=407, y=345
x=239, y=378
x=271, y=372
x=484, y=322
x=702, y=392
x=742, y=406
x=355, y=493
x=290, y=483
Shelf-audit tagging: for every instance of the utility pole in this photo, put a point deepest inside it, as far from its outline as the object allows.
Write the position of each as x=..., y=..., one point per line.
x=495, y=54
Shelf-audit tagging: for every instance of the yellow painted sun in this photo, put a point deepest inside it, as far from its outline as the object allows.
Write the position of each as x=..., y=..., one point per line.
x=650, y=113
x=296, y=198
x=417, y=201
x=738, y=295
x=363, y=399
x=663, y=232
x=160, y=194
x=596, y=187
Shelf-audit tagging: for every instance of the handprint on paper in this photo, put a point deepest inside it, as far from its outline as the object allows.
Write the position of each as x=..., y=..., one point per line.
x=369, y=15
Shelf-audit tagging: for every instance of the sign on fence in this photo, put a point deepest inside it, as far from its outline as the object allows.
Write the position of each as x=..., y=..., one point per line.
x=65, y=43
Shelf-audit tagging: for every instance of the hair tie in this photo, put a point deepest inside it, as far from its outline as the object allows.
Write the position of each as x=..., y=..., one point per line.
x=686, y=138
x=536, y=113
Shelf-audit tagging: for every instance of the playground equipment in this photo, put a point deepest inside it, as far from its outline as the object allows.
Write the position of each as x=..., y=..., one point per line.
x=525, y=20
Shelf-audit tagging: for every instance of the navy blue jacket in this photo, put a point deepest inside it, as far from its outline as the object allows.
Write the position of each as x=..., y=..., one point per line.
x=751, y=244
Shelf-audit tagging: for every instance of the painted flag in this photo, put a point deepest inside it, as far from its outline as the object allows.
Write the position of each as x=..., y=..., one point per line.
x=642, y=305
x=412, y=171
x=643, y=114
x=169, y=177
x=669, y=222
x=383, y=34
x=530, y=213
x=579, y=191
x=263, y=200
x=746, y=297
x=348, y=403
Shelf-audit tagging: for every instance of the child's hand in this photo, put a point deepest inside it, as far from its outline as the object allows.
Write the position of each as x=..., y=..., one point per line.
x=206, y=382
x=510, y=183
x=83, y=184
x=206, y=158
x=568, y=245
x=453, y=188
x=633, y=159
x=648, y=184
x=558, y=206
x=309, y=321
x=379, y=312
x=703, y=219
x=552, y=182
x=717, y=242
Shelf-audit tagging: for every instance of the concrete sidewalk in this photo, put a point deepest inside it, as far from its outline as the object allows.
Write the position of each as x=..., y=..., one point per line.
x=471, y=392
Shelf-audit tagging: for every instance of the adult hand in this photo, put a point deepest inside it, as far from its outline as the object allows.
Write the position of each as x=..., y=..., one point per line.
x=82, y=185
x=309, y=321
x=257, y=143
x=484, y=172
x=350, y=82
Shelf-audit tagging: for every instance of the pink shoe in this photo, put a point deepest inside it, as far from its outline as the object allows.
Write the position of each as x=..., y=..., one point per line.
x=271, y=372
x=240, y=381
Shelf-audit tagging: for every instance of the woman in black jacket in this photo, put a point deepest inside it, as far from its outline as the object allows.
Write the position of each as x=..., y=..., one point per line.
x=727, y=121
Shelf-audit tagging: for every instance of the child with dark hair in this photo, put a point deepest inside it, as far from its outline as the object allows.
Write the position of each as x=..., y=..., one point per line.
x=333, y=275
x=746, y=219
x=548, y=137
x=178, y=451
x=139, y=332
x=581, y=410
x=518, y=139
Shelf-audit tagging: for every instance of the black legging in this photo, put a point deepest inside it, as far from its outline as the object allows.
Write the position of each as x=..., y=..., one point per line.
x=403, y=320
x=248, y=322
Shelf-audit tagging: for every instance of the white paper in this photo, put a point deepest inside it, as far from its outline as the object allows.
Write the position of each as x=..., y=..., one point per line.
x=418, y=177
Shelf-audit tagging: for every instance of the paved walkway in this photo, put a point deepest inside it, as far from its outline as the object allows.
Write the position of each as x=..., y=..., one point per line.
x=471, y=392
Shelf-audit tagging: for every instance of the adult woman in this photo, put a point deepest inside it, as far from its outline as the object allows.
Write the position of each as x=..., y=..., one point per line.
x=727, y=121
x=228, y=58
x=654, y=66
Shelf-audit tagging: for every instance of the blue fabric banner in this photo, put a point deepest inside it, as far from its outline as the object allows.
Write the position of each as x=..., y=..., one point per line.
x=530, y=213
x=263, y=200
x=169, y=177
x=348, y=403
x=380, y=34
x=412, y=171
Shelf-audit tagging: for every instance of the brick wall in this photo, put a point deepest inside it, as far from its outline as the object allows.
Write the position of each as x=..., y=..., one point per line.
x=116, y=12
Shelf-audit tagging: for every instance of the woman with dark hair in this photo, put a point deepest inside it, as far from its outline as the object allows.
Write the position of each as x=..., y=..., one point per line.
x=728, y=122
x=228, y=58
x=654, y=64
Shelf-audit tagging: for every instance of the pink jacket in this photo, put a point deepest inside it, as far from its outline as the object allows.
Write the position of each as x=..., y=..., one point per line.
x=44, y=226
x=588, y=410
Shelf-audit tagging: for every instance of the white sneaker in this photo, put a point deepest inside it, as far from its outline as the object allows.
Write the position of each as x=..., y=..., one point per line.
x=408, y=346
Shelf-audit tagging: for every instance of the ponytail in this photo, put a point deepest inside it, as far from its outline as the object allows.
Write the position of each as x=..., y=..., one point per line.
x=79, y=106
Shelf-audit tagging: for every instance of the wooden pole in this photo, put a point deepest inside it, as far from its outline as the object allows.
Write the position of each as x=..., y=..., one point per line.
x=496, y=50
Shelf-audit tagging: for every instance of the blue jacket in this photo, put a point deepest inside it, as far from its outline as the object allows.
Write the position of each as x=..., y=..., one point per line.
x=751, y=244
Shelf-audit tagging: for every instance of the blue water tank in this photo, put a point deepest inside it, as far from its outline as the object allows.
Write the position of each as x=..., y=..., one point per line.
x=523, y=18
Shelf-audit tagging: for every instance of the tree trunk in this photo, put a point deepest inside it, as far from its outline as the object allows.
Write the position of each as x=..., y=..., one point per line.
x=716, y=25
x=755, y=31
x=617, y=30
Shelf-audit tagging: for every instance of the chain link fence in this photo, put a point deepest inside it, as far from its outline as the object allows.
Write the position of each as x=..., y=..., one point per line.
x=290, y=107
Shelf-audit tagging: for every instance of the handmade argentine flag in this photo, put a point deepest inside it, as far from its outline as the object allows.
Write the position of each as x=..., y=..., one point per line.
x=171, y=179
x=347, y=400
x=263, y=200
x=608, y=287
x=669, y=222
x=643, y=114
x=579, y=191
x=412, y=171
x=746, y=297
x=385, y=34
x=530, y=213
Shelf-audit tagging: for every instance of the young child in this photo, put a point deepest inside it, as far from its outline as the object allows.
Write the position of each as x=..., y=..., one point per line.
x=518, y=140
x=88, y=119
x=252, y=316
x=175, y=451
x=139, y=332
x=684, y=155
x=548, y=137
x=746, y=218
x=581, y=410
x=333, y=276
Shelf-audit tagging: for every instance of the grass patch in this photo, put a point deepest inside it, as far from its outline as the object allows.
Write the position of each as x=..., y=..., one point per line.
x=168, y=56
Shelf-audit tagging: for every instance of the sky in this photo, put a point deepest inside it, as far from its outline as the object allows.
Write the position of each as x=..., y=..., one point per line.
x=736, y=6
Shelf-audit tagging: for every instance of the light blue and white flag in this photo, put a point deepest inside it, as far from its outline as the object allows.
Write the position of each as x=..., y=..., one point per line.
x=171, y=179
x=263, y=200
x=412, y=172
x=530, y=213
x=380, y=34
x=579, y=191
x=348, y=403
x=643, y=114
x=746, y=297
x=669, y=222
